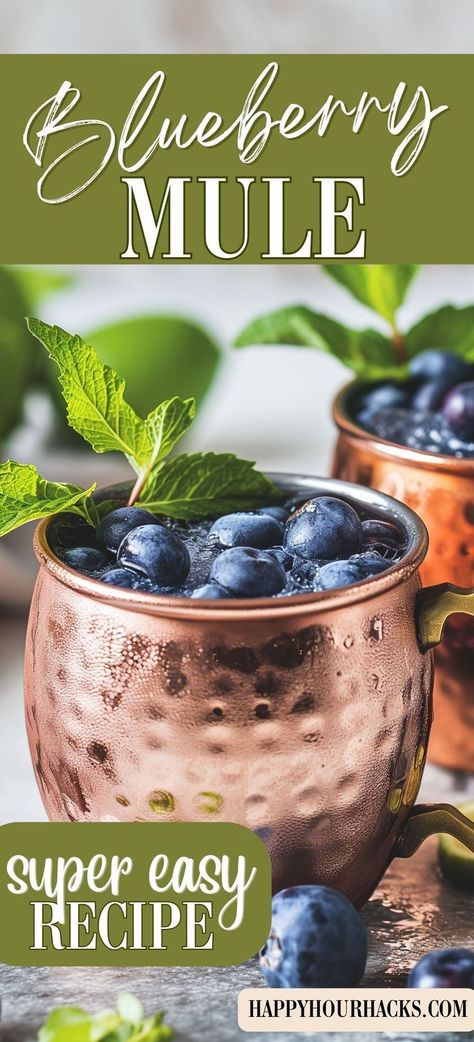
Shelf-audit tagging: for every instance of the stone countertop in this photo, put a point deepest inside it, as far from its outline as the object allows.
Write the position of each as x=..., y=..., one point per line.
x=412, y=912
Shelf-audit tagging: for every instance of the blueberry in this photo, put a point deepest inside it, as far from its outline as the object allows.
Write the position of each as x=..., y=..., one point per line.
x=388, y=395
x=339, y=573
x=429, y=395
x=370, y=563
x=241, y=529
x=279, y=513
x=157, y=553
x=86, y=559
x=447, y=968
x=390, y=424
x=436, y=365
x=126, y=578
x=211, y=592
x=458, y=410
x=317, y=940
x=324, y=528
x=115, y=526
x=355, y=570
x=282, y=556
x=382, y=532
x=248, y=572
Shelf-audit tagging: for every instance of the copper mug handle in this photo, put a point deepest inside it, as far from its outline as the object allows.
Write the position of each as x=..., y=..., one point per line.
x=434, y=605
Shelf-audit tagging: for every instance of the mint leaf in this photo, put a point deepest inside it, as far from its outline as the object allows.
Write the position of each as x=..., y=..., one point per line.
x=26, y=496
x=382, y=287
x=205, y=484
x=152, y=1030
x=130, y=1008
x=450, y=328
x=94, y=396
x=70, y=1024
x=167, y=424
x=367, y=352
x=65, y=1024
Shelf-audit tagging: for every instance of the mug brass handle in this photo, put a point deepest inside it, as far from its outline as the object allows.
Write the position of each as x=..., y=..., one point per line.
x=434, y=605
x=431, y=819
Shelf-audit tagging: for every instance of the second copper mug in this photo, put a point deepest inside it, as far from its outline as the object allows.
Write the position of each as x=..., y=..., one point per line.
x=441, y=490
x=305, y=718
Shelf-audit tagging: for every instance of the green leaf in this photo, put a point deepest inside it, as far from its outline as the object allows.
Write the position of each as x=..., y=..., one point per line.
x=450, y=328
x=94, y=396
x=159, y=356
x=367, y=352
x=382, y=287
x=66, y=1024
x=167, y=424
x=130, y=1008
x=205, y=484
x=152, y=1030
x=26, y=496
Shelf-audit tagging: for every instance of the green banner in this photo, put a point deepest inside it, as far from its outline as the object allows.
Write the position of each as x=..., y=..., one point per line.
x=236, y=159
x=132, y=894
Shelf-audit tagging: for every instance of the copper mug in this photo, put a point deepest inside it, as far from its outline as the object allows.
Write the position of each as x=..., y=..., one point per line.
x=305, y=718
x=441, y=490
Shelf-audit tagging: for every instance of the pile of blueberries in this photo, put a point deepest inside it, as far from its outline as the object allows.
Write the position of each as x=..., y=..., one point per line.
x=433, y=410
x=318, y=940
x=276, y=551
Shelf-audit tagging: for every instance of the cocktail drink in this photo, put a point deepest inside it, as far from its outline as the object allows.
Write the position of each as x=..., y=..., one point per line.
x=415, y=440
x=294, y=697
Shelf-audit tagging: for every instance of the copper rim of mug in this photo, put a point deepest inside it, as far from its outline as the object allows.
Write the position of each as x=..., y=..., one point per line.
x=391, y=449
x=416, y=546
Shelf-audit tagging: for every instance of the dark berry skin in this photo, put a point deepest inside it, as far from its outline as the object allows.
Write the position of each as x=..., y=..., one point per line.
x=375, y=531
x=282, y=555
x=317, y=940
x=127, y=579
x=115, y=526
x=458, y=410
x=248, y=572
x=388, y=395
x=428, y=397
x=435, y=365
x=325, y=528
x=241, y=529
x=211, y=592
x=356, y=569
x=86, y=559
x=279, y=513
x=157, y=553
x=447, y=968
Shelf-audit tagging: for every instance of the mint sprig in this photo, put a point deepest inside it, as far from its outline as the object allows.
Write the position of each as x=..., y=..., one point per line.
x=127, y=1024
x=186, y=487
x=26, y=496
x=203, y=483
x=370, y=354
x=94, y=396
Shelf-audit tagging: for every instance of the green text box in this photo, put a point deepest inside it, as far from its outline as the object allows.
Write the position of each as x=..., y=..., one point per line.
x=134, y=894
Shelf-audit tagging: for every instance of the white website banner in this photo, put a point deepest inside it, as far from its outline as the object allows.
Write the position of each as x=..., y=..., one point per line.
x=356, y=1009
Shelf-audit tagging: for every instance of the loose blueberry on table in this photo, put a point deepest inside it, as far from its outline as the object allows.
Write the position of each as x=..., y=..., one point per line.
x=446, y=968
x=317, y=545
x=432, y=410
x=317, y=940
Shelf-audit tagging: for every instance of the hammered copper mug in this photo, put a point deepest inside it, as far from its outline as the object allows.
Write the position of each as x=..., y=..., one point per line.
x=305, y=718
x=441, y=490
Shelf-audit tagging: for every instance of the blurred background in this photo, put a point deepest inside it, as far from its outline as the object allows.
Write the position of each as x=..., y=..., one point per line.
x=153, y=26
